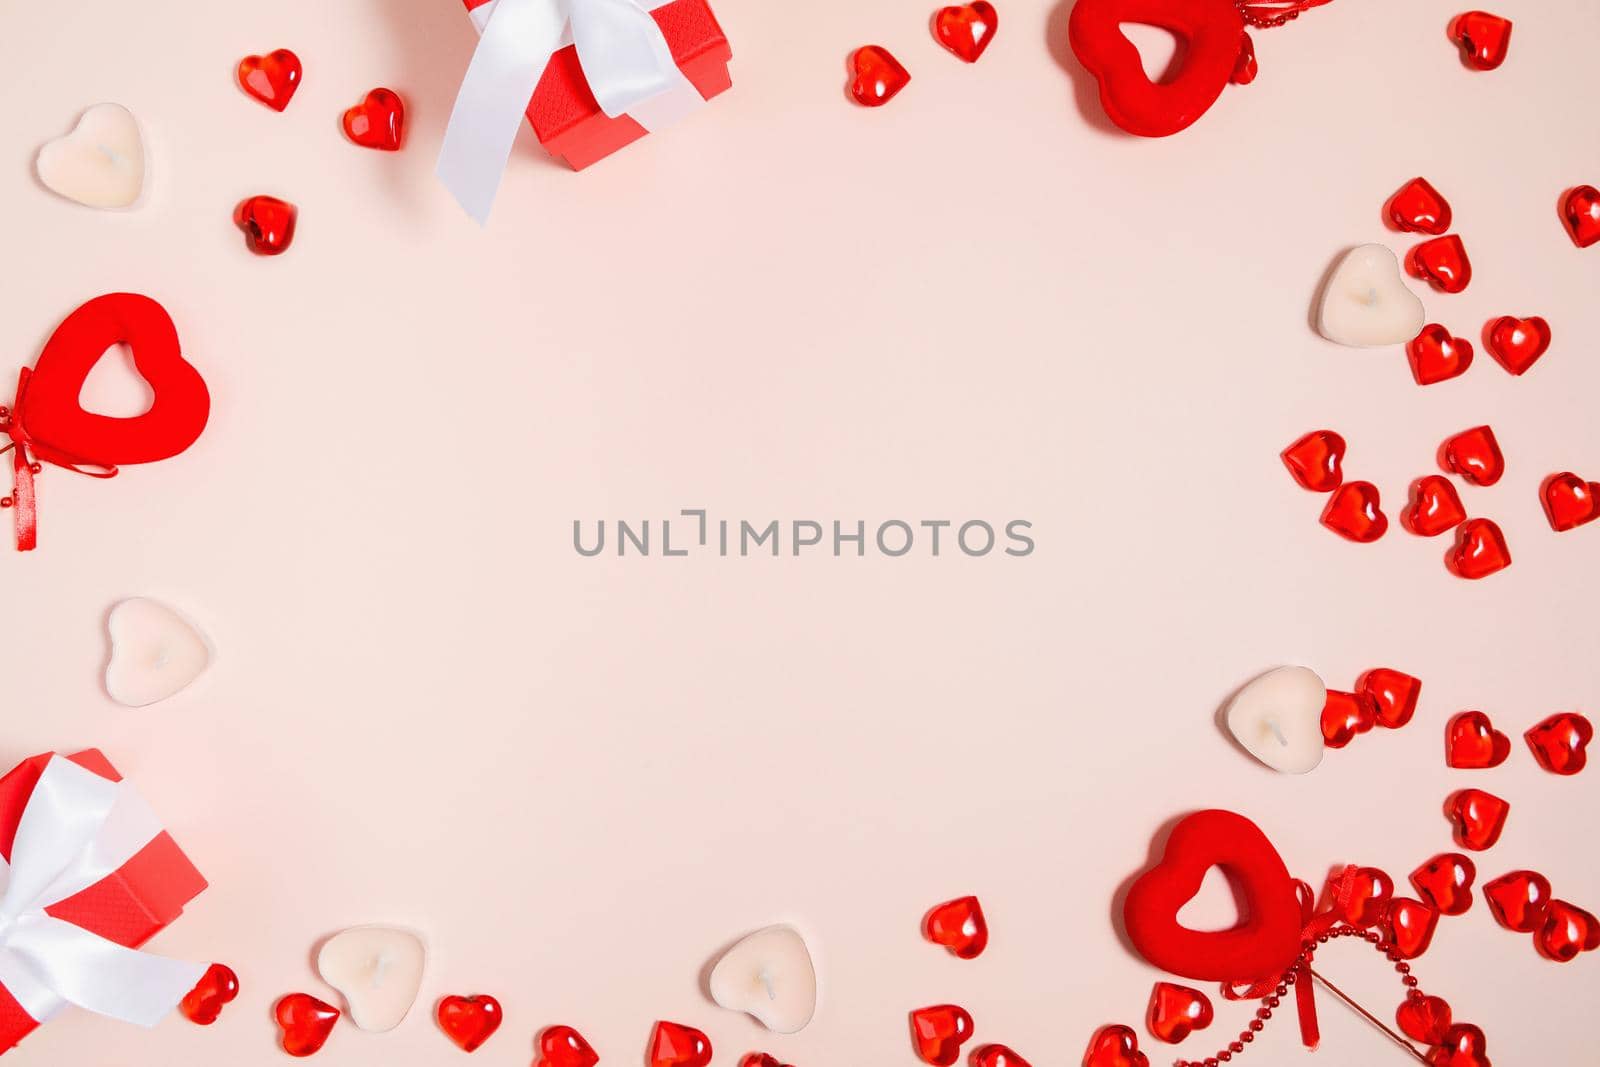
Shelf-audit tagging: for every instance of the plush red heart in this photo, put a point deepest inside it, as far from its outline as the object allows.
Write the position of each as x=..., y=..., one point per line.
x=1463, y=1046
x=1480, y=550
x=1483, y=38
x=1471, y=742
x=272, y=78
x=1435, y=507
x=1445, y=882
x=1344, y=715
x=1479, y=818
x=1569, y=501
x=268, y=224
x=1441, y=262
x=959, y=926
x=1315, y=461
x=1424, y=1018
x=938, y=1032
x=1114, y=1046
x=1519, y=900
x=379, y=121
x=1436, y=356
x=878, y=76
x=469, y=1021
x=306, y=1023
x=1353, y=512
x=966, y=29
x=1176, y=1011
x=1567, y=932
x=1409, y=926
x=676, y=1045
x=1267, y=937
x=1516, y=344
x=1580, y=211
x=216, y=988
x=1394, y=692
x=1418, y=208
x=997, y=1056
x=562, y=1046
x=1560, y=743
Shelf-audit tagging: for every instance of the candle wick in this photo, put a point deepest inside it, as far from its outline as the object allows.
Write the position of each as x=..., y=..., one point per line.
x=1272, y=724
x=766, y=982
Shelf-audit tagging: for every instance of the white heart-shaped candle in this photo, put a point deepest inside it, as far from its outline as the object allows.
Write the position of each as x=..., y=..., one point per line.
x=769, y=975
x=155, y=652
x=1278, y=719
x=378, y=971
x=1366, y=302
x=100, y=163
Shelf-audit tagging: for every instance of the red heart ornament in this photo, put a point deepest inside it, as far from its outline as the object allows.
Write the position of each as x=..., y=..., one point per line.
x=1409, y=926
x=959, y=926
x=938, y=1032
x=272, y=78
x=1483, y=39
x=469, y=1021
x=1436, y=356
x=1567, y=932
x=1445, y=882
x=1580, y=211
x=1316, y=461
x=379, y=121
x=1114, y=1046
x=1569, y=501
x=1463, y=1046
x=1479, y=818
x=1353, y=513
x=306, y=1023
x=1424, y=1018
x=1480, y=550
x=1267, y=937
x=1472, y=743
x=878, y=76
x=216, y=988
x=966, y=29
x=1418, y=208
x=1519, y=900
x=1394, y=692
x=1516, y=344
x=1435, y=507
x=562, y=1046
x=268, y=224
x=1344, y=715
x=1361, y=895
x=1210, y=32
x=1442, y=263
x=1475, y=455
x=1560, y=743
x=1176, y=1011
x=997, y=1056
x=676, y=1045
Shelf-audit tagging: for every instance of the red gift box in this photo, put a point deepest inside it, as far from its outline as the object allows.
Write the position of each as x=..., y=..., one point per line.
x=565, y=115
x=129, y=906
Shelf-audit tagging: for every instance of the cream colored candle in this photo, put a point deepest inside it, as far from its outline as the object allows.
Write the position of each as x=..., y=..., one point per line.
x=100, y=163
x=378, y=971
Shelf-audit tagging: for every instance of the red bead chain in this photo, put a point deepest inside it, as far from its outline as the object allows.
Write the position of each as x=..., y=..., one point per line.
x=1267, y=14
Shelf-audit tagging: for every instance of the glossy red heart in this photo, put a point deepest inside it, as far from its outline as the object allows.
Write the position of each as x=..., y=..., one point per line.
x=1316, y=461
x=306, y=1023
x=1516, y=344
x=1479, y=818
x=1567, y=932
x=1344, y=715
x=1441, y=262
x=268, y=224
x=1569, y=501
x=1409, y=926
x=1483, y=38
x=1475, y=455
x=1472, y=743
x=1394, y=692
x=1518, y=900
x=997, y=1056
x=1353, y=512
x=1424, y=1018
x=966, y=29
x=676, y=1045
x=959, y=926
x=1361, y=895
x=1176, y=1011
x=1114, y=1046
x=1435, y=507
x=469, y=1021
x=1445, y=882
x=216, y=988
x=272, y=78
x=938, y=1032
x=379, y=121
x=1580, y=211
x=1418, y=208
x=878, y=76
x=1480, y=550
x=1463, y=1046
x=1560, y=743
x=1436, y=356
x=562, y=1046
x=761, y=1059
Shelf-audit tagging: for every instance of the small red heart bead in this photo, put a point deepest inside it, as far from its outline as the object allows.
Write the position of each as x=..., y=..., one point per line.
x=1516, y=344
x=1346, y=714
x=761, y=1059
x=1442, y=263
x=379, y=121
x=1463, y=1046
x=1472, y=743
x=1316, y=461
x=1445, y=882
x=1436, y=356
x=997, y=1056
x=1480, y=550
x=1560, y=743
x=1409, y=925
x=938, y=1032
x=306, y=1023
x=469, y=1021
x=878, y=76
x=1479, y=818
x=1363, y=898
x=1418, y=208
x=1569, y=501
x=1567, y=931
x=1245, y=68
x=1475, y=455
x=1353, y=513
x=272, y=78
x=966, y=29
x=1114, y=1046
x=205, y=1001
x=1424, y=1018
x=1580, y=210
x=1519, y=900
x=268, y=224
x=562, y=1046
x=1435, y=507
x=959, y=926
x=1394, y=692
x=1176, y=1011
x=1483, y=38
x=676, y=1045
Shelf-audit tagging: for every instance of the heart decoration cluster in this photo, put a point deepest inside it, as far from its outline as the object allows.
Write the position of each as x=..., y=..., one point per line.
x=964, y=30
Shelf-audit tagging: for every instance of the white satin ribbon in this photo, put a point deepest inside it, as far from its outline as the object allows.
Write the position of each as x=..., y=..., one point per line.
x=77, y=828
x=625, y=59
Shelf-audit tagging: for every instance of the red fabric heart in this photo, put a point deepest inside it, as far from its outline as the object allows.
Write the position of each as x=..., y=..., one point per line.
x=676, y=1045
x=1424, y=1018
x=1471, y=742
x=1114, y=1046
x=1436, y=356
x=1344, y=715
x=1267, y=937
x=1516, y=344
x=1418, y=208
x=1567, y=932
x=1483, y=39
x=1480, y=550
x=1316, y=460
x=1560, y=743
x=1353, y=512
x=1569, y=501
x=878, y=76
x=562, y=1046
x=216, y=988
x=306, y=1023
x=1442, y=263
x=997, y=1056
x=469, y=1021
x=272, y=78
x=1580, y=211
x=1475, y=455
x=1445, y=882
x=1409, y=925
x=1463, y=1046
x=1518, y=900
x=1394, y=692
x=379, y=121
x=267, y=222
x=1435, y=507
x=938, y=1032
x=959, y=926
x=1176, y=1011
x=966, y=29
x=1479, y=818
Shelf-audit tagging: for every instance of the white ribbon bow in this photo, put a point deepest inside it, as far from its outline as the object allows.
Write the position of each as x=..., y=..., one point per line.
x=625, y=59
x=77, y=828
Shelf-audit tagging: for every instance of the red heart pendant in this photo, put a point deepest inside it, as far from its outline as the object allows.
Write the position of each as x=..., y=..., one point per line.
x=1479, y=818
x=1435, y=507
x=878, y=76
x=1475, y=455
x=217, y=987
x=997, y=1056
x=1353, y=513
x=1435, y=356
x=1424, y=1018
x=1445, y=882
x=1344, y=715
x=1463, y=1046
x=379, y=121
x=272, y=78
x=1480, y=550
x=1418, y=208
x=306, y=1023
x=1472, y=743
x=1361, y=895
x=1483, y=39
x=1316, y=461
x=1442, y=263
x=1115, y=1046
x=937, y=1033
x=1519, y=900
x=1394, y=692
x=967, y=29
x=267, y=222
x=562, y=1046
x=959, y=926
x=676, y=1045
x=1580, y=211
x=761, y=1059
x=1176, y=1011
x=1560, y=743
x=1516, y=344
x=1568, y=931
x=1409, y=926
x=469, y=1021
x=1569, y=501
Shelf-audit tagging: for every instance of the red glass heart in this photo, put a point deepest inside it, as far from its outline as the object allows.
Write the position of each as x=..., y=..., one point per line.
x=1361, y=895
x=1418, y=208
x=1480, y=550
x=938, y=1032
x=966, y=29
x=1409, y=925
x=1353, y=513
x=1580, y=211
x=1436, y=356
x=268, y=224
x=1475, y=455
x=1394, y=692
x=1463, y=1046
x=562, y=1046
x=1245, y=67
x=202, y=1004
x=1516, y=344
x=469, y=1021
x=1114, y=1046
x=272, y=78
x=761, y=1059
x=1472, y=743
x=379, y=121
x=1479, y=818
x=306, y=1023
x=1316, y=461
x=1569, y=501
x=1483, y=39
x=1176, y=1011
x=1344, y=715
x=1567, y=931
x=1560, y=743
x=1435, y=507
x=1518, y=900
x=878, y=76
x=1442, y=263
x=959, y=926
x=676, y=1045
x=1424, y=1018
x=1445, y=882
x=997, y=1056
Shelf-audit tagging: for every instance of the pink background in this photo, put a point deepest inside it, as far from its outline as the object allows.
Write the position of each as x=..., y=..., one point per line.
x=581, y=778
